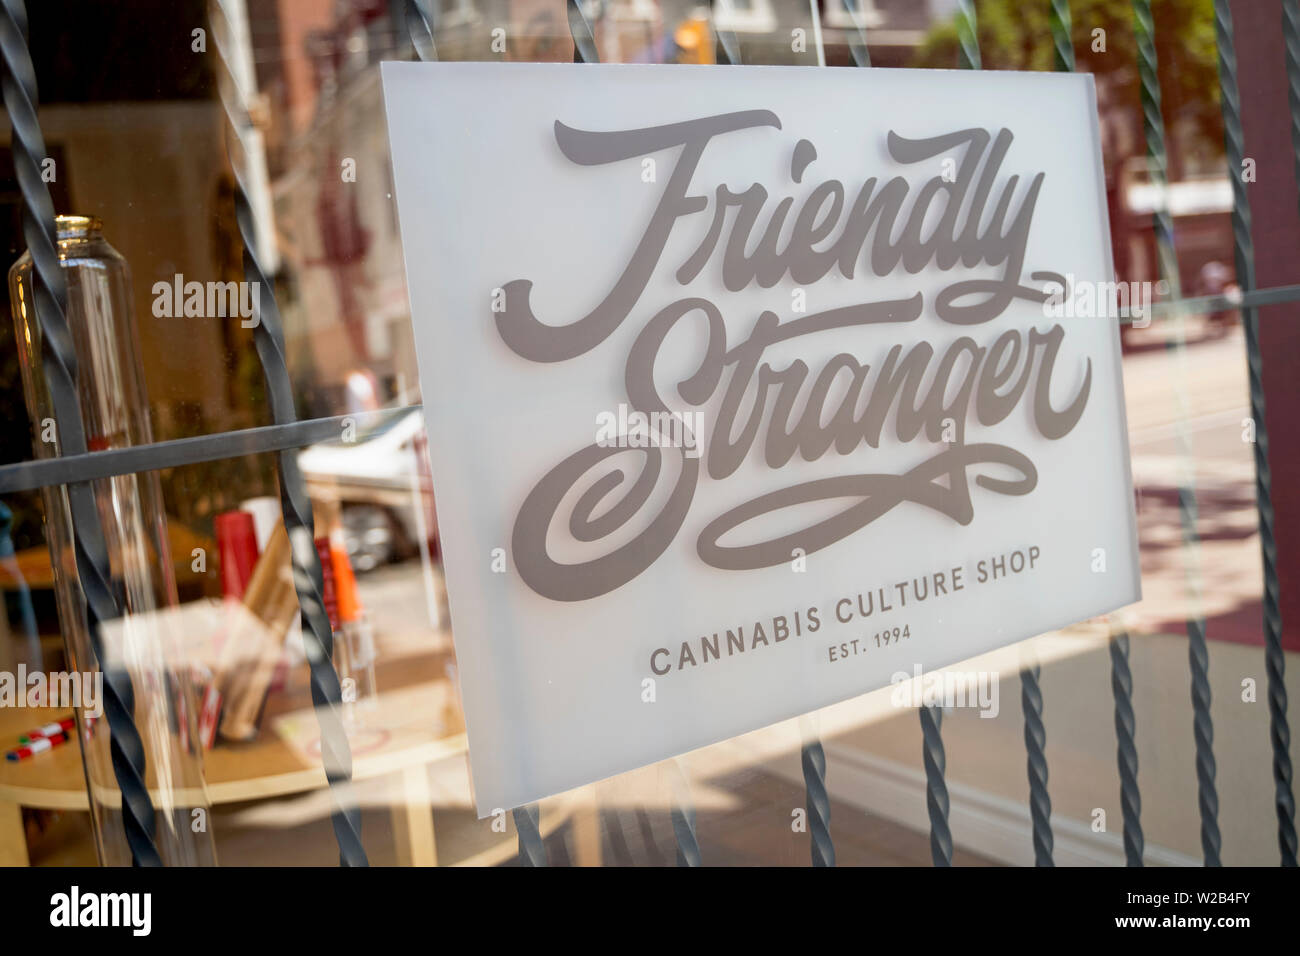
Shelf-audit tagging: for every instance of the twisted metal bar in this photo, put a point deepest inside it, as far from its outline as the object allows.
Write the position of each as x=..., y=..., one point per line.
x=1153, y=127
x=1274, y=658
x=612, y=823
x=683, y=817
x=41, y=472
x=318, y=638
x=584, y=39
x=936, y=790
x=967, y=36
x=59, y=362
x=813, y=758
x=1203, y=730
x=532, y=851
x=683, y=809
x=688, y=845
x=421, y=24
x=1197, y=652
x=857, y=37
x=727, y=44
x=1040, y=802
x=654, y=856
x=1031, y=694
x=1130, y=798
x=1256, y=298
x=1062, y=46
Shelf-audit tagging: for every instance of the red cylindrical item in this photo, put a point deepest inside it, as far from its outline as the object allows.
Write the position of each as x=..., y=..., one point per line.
x=49, y=730
x=236, y=550
x=329, y=593
x=36, y=746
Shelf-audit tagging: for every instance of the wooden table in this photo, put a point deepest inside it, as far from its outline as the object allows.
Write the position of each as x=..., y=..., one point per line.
x=416, y=724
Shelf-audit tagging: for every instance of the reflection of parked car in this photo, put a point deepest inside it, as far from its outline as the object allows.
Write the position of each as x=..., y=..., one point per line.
x=377, y=477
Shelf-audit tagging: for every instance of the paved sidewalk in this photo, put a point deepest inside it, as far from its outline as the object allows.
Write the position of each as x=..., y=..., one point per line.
x=1201, y=396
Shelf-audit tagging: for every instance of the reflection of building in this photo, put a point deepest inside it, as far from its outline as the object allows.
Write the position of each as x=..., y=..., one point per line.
x=894, y=28
x=766, y=29
x=344, y=298
x=337, y=218
x=138, y=145
x=130, y=119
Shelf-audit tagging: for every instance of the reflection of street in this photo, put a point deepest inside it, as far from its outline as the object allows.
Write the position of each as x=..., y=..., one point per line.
x=743, y=790
x=1216, y=395
x=399, y=609
x=1212, y=371
x=374, y=477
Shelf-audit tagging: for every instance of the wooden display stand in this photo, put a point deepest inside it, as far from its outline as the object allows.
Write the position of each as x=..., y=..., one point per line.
x=415, y=725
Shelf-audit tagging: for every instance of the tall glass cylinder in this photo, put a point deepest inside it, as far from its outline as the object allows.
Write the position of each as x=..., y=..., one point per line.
x=116, y=415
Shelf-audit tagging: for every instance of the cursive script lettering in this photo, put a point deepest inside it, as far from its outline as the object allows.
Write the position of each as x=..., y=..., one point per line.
x=923, y=390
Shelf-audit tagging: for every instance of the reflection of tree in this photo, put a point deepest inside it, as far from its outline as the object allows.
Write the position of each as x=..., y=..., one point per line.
x=1014, y=35
x=1018, y=36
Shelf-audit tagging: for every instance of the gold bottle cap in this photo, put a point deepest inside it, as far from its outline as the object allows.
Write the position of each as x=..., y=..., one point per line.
x=77, y=227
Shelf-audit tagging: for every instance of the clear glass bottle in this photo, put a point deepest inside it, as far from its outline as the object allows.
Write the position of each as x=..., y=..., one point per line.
x=116, y=415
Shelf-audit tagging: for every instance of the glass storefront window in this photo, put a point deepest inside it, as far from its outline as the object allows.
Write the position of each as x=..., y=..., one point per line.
x=137, y=136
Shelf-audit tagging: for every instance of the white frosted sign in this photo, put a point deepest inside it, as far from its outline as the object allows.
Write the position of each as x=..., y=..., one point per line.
x=750, y=387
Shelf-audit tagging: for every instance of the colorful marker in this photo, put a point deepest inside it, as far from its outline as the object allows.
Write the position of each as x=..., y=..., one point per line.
x=39, y=745
x=49, y=730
